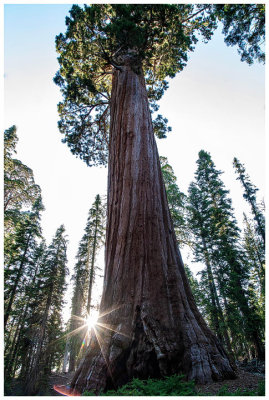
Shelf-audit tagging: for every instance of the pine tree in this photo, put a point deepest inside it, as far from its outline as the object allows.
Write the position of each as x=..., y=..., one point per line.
x=138, y=46
x=254, y=250
x=84, y=276
x=17, y=261
x=176, y=202
x=250, y=196
x=22, y=213
x=19, y=185
x=17, y=340
x=219, y=244
x=47, y=313
x=201, y=228
x=22, y=207
x=199, y=294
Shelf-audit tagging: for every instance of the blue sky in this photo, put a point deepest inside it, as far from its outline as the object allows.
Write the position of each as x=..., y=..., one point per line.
x=216, y=103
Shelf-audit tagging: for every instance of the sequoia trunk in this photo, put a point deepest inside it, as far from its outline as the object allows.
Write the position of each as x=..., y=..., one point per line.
x=149, y=324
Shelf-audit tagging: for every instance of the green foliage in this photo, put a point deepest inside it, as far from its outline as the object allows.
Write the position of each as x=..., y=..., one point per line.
x=160, y=127
x=174, y=385
x=84, y=274
x=170, y=386
x=34, y=277
x=200, y=295
x=89, y=246
x=224, y=391
x=250, y=196
x=261, y=388
x=155, y=38
x=176, y=202
x=244, y=26
x=44, y=328
x=19, y=185
x=253, y=243
x=217, y=245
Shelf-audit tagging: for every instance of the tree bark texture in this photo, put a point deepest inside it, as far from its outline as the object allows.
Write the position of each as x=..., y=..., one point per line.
x=157, y=328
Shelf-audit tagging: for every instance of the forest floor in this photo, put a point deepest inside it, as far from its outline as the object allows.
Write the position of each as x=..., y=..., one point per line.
x=244, y=381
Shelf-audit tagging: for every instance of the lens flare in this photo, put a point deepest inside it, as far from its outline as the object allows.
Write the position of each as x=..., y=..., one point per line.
x=91, y=321
x=66, y=390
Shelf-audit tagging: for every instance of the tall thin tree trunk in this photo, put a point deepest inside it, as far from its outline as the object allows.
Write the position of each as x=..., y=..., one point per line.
x=218, y=317
x=15, y=343
x=33, y=374
x=66, y=355
x=252, y=332
x=259, y=268
x=224, y=330
x=17, y=279
x=75, y=340
x=213, y=293
x=157, y=328
x=9, y=336
x=89, y=301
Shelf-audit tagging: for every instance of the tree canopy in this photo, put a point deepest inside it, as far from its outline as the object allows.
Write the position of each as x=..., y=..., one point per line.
x=20, y=188
x=156, y=38
x=244, y=26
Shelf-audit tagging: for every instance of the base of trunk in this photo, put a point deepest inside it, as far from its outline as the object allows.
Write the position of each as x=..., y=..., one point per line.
x=113, y=359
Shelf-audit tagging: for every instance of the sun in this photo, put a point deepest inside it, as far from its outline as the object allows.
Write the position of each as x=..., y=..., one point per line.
x=91, y=321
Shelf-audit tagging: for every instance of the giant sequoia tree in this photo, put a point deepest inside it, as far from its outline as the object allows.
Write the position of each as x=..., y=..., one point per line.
x=113, y=63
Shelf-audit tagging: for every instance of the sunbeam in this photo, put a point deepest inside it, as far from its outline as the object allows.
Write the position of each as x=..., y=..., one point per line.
x=92, y=323
x=107, y=326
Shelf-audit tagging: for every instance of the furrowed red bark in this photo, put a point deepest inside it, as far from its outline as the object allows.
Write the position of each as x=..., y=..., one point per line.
x=157, y=328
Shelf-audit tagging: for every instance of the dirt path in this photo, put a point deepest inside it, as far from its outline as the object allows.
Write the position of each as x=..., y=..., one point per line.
x=59, y=379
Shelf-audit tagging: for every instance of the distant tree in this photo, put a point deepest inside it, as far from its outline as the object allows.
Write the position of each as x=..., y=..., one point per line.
x=17, y=340
x=255, y=259
x=84, y=276
x=250, y=196
x=22, y=226
x=199, y=293
x=176, y=202
x=19, y=185
x=19, y=256
x=52, y=286
x=219, y=233
x=34, y=277
x=22, y=235
x=200, y=224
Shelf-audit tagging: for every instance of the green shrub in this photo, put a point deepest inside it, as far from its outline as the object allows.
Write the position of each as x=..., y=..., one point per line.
x=173, y=386
x=170, y=386
x=261, y=388
x=224, y=391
